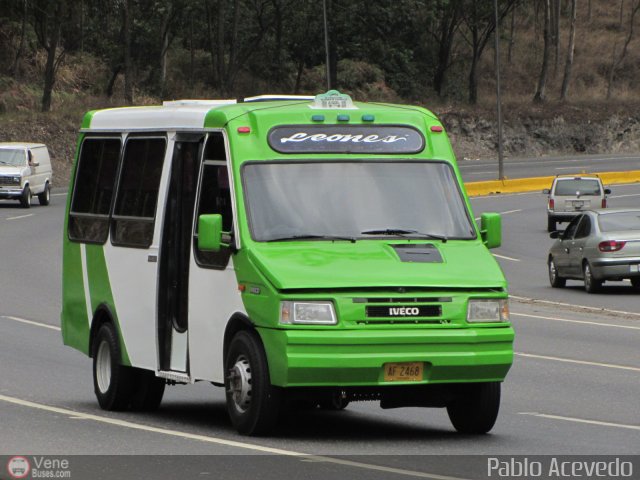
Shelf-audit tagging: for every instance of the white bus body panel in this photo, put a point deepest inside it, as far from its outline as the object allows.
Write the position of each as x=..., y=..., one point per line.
x=213, y=299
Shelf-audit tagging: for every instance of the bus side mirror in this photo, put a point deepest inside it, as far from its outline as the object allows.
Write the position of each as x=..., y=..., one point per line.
x=546, y=191
x=607, y=191
x=210, y=232
x=491, y=229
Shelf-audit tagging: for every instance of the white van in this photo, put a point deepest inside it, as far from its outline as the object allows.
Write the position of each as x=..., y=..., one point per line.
x=25, y=171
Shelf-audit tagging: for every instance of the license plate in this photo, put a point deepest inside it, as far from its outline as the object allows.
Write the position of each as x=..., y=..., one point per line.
x=634, y=268
x=578, y=204
x=403, y=372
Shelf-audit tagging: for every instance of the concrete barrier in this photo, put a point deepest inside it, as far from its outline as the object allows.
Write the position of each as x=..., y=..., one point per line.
x=515, y=185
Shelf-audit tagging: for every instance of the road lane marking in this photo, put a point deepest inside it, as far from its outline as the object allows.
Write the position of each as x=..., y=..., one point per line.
x=21, y=216
x=573, y=305
x=626, y=195
x=581, y=420
x=30, y=322
x=505, y=257
x=579, y=362
x=568, y=320
x=220, y=441
x=58, y=194
x=510, y=211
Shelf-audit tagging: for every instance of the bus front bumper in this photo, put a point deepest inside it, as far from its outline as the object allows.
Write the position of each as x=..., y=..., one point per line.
x=306, y=358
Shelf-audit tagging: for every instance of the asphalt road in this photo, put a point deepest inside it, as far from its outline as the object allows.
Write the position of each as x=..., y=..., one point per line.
x=477, y=170
x=573, y=388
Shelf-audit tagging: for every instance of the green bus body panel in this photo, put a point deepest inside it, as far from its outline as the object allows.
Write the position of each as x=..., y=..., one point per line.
x=300, y=358
x=374, y=263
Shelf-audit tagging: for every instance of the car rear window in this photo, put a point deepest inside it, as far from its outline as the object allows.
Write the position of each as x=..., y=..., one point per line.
x=617, y=222
x=572, y=185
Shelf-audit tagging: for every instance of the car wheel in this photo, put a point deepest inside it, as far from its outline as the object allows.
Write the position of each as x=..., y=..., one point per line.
x=591, y=285
x=635, y=282
x=253, y=403
x=551, y=224
x=113, y=383
x=45, y=197
x=555, y=280
x=25, y=199
x=476, y=409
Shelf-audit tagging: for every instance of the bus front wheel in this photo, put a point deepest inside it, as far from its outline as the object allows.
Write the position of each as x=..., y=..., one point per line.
x=476, y=409
x=252, y=402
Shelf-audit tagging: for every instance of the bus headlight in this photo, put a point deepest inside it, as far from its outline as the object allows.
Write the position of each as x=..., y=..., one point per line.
x=311, y=313
x=488, y=310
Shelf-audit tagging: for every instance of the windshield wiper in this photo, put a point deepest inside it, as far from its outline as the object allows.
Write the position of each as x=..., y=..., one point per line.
x=400, y=232
x=312, y=237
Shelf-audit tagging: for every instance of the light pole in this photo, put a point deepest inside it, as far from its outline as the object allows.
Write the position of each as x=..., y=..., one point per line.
x=326, y=42
x=498, y=97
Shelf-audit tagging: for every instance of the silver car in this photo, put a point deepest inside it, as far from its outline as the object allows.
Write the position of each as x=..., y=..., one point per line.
x=570, y=195
x=598, y=245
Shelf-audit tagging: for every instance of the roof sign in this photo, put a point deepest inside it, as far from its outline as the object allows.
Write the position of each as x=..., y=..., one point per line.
x=333, y=99
x=378, y=139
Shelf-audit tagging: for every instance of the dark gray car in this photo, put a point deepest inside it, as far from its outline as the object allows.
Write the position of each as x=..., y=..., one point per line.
x=597, y=246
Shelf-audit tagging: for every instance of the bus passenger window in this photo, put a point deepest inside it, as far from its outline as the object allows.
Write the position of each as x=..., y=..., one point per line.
x=135, y=209
x=93, y=190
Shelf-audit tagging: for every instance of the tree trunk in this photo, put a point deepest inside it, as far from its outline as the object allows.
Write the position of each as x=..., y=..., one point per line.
x=114, y=75
x=569, y=63
x=556, y=37
x=16, y=69
x=539, y=96
x=128, y=73
x=445, y=36
x=512, y=38
x=53, y=60
x=192, y=52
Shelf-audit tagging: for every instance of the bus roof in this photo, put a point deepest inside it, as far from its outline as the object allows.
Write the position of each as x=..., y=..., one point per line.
x=199, y=114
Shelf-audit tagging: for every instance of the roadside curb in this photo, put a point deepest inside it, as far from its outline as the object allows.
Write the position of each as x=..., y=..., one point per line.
x=517, y=185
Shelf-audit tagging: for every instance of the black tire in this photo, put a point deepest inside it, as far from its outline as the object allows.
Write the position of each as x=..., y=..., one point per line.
x=591, y=284
x=476, y=409
x=45, y=197
x=113, y=383
x=555, y=279
x=336, y=402
x=25, y=199
x=635, y=282
x=148, y=392
x=551, y=224
x=253, y=403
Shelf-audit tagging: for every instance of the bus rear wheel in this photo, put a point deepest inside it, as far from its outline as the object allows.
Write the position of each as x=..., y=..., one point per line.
x=253, y=403
x=113, y=383
x=476, y=409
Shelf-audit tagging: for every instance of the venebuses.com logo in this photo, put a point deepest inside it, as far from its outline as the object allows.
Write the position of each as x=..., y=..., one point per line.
x=18, y=467
x=38, y=467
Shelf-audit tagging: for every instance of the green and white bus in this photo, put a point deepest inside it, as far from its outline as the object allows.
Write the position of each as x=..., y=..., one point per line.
x=288, y=249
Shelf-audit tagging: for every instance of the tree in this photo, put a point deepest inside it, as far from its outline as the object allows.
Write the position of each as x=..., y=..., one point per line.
x=479, y=18
x=48, y=19
x=540, y=95
x=618, y=59
x=569, y=63
x=448, y=18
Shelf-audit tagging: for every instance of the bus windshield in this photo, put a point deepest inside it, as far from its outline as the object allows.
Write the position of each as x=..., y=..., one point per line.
x=346, y=199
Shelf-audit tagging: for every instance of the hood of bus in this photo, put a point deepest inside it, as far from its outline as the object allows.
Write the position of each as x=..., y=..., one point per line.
x=375, y=263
